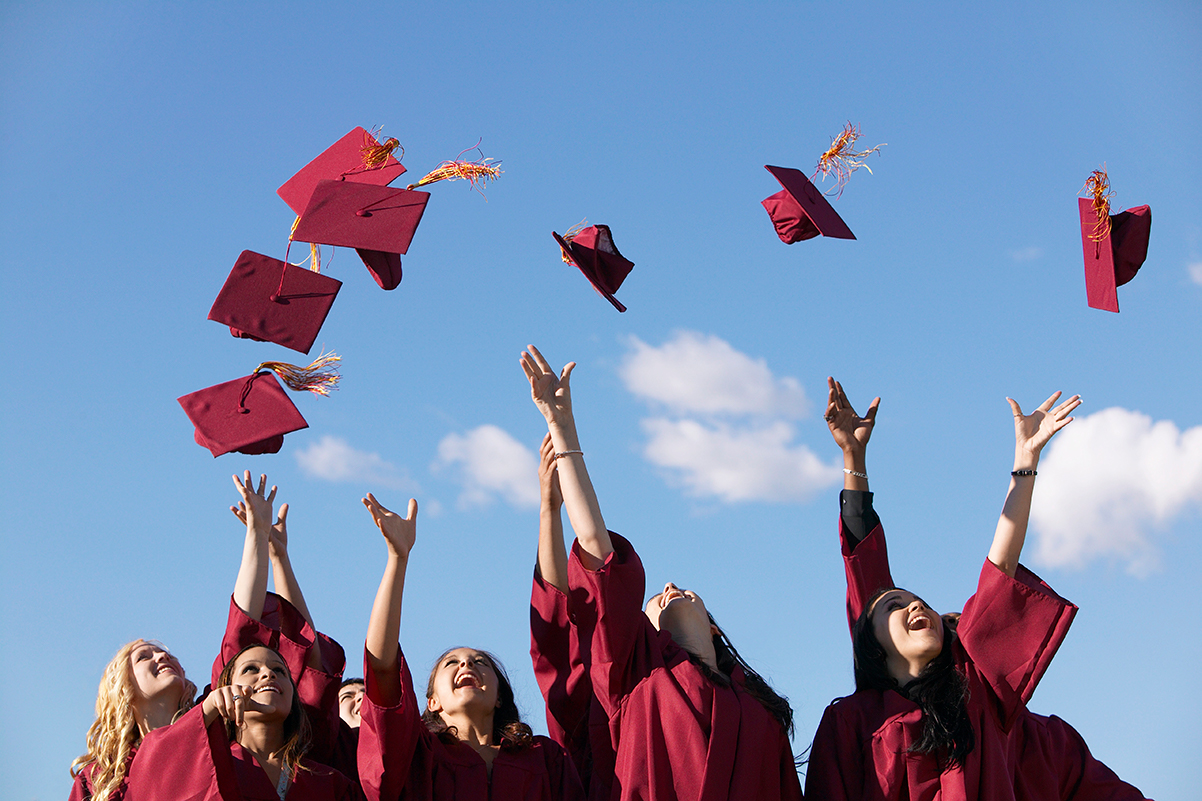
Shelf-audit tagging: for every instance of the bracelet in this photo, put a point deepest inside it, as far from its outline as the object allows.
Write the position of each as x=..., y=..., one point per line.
x=568, y=453
x=1017, y=473
x=854, y=473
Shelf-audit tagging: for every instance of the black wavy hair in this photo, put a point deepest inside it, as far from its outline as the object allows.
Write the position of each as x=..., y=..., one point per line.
x=508, y=730
x=940, y=691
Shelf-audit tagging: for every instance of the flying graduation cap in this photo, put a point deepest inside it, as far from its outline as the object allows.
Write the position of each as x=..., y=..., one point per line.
x=800, y=210
x=252, y=414
x=266, y=299
x=593, y=252
x=357, y=157
x=1115, y=245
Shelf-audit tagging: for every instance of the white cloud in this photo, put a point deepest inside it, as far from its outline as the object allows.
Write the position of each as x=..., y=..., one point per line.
x=1109, y=483
x=333, y=459
x=737, y=463
x=1195, y=272
x=694, y=373
x=1026, y=254
x=491, y=464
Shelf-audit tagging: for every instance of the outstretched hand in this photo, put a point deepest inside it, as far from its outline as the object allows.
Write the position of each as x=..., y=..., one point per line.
x=400, y=532
x=1032, y=431
x=550, y=392
x=851, y=432
x=548, y=475
x=256, y=504
x=278, y=542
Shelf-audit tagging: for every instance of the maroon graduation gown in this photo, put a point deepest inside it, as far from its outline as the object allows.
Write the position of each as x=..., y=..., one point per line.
x=677, y=734
x=399, y=758
x=1049, y=759
x=187, y=761
x=1005, y=639
x=81, y=788
x=575, y=719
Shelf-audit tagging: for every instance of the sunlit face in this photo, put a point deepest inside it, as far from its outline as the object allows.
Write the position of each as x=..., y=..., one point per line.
x=350, y=700
x=910, y=631
x=676, y=610
x=465, y=681
x=262, y=676
x=157, y=674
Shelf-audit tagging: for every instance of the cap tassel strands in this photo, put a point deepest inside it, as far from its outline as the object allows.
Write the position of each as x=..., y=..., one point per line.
x=1098, y=185
x=475, y=173
x=842, y=159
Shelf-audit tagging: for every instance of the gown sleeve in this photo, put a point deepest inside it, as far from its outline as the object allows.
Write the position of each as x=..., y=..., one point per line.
x=559, y=666
x=622, y=645
x=81, y=787
x=184, y=760
x=836, y=766
x=318, y=691
x=1010, y=630
x=389, y=737
x=865, y=558
x=281, y=627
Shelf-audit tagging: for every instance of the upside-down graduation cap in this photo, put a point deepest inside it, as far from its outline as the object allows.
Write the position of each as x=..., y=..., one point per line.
x=378, y=221
x=268, y=299
x=252, y=414
x=355, y=157
x=1113, y=253
x=800, y=211
x=593, y=252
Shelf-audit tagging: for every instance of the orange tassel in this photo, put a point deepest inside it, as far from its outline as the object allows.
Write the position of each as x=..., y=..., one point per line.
x=319, y=377
x=471, y=171
x=842, y=159
x=1098, y=185
x=568, y=236
x=375, y=155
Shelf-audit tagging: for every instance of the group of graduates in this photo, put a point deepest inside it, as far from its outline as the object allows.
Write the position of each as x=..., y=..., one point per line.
x=644, y=700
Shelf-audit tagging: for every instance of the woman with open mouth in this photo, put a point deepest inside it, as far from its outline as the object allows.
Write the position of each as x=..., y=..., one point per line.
x=467, y=742
x=940, y=705
x=683, y=715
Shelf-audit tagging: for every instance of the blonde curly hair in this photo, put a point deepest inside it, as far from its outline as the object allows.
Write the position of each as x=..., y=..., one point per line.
x=114, y=735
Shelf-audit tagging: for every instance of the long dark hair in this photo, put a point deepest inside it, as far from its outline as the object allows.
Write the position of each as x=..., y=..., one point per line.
x=753, y=683
x=940, y=691
x=508, y=730
x=297, y=733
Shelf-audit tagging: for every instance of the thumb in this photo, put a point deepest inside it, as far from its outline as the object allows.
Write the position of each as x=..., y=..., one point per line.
x=412, y=515
x=566, y=373
x=282, y=517
x=1014, y=407
x=872, y=407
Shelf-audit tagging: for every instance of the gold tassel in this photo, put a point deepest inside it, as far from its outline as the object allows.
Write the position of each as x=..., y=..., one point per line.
x=319, y=377
x=1098, y=185
x=842, y=159
x=314, y=259
x=375, y=155
x=471, y=171
x=568, y=236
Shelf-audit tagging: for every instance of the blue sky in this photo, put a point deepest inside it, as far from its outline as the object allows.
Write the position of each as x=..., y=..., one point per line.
x=140, y=149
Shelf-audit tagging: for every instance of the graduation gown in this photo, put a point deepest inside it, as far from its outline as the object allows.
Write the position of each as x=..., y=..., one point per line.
x=188, y=762
x=399, y=758
x=1048, y=758
x=575, y=719
x=677, y=734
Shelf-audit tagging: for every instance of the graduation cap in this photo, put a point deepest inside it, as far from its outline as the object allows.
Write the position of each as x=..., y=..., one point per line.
x=252, y=414
x=1115, y=245
x=266, y=299
x=593, y=252
x=800, y=211
x=378, y=221
x=358, y=157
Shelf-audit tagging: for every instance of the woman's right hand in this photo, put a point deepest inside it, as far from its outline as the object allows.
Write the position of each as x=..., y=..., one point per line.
x=551, y=393
x=400, y=532
x=256, y=504
x=229, y=702
x=851, y=432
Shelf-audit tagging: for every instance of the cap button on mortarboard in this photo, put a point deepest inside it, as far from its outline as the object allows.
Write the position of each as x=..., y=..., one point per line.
x=244, y=410
x=362, y=213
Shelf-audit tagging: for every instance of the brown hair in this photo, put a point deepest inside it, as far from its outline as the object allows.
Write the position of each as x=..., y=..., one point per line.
x=508, y=730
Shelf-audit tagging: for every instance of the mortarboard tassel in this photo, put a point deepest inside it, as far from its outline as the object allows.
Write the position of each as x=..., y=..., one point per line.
x=375, y=155
x=319, y=377
x=1098, y=185
x=568, y=236
x=470, y=171
x=314, y=254
x=842, y=160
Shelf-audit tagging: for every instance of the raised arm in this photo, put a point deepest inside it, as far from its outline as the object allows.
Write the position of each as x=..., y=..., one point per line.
x=552, y=555
x=384, y=628
x=250, y=588
x=1031, y=433
x=552, y=395
x=851, y=433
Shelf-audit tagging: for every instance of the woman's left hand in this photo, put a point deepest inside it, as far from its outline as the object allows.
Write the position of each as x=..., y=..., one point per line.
x=278, y=542
x=1032, y=431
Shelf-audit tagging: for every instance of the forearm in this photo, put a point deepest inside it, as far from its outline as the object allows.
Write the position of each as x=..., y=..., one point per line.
x=552, y=561
x=288, y=588
x=854, y=460
x=1011, y=530
x=384, y=629
x=579, y=497
x=250, y=588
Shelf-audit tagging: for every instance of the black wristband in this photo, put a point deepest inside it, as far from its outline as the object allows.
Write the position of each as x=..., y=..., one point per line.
x=1023, y=473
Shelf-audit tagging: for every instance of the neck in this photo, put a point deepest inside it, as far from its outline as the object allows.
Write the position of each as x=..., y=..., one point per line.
x=155, y=713
x=699, y=646
x=262, y=738
x=905, y=671
x=476, y=731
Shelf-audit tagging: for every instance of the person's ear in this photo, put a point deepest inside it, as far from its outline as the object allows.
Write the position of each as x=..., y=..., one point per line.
x=433, y=705
x=714, y=632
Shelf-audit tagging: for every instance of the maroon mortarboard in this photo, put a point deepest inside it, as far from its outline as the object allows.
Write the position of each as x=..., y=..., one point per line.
x=593, y=252
x=1114, y=248
x=378, y=221
x=800, y=211
x=268, y=299
x=355, y=157
x=252, y=414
